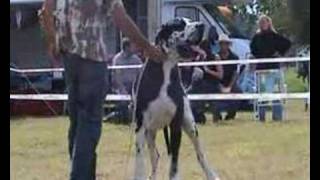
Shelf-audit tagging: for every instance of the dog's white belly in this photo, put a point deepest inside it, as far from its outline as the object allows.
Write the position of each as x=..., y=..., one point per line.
x=159, y=113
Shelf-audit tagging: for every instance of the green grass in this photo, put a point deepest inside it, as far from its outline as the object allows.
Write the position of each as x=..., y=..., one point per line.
x=293, y=83
x=238, y=150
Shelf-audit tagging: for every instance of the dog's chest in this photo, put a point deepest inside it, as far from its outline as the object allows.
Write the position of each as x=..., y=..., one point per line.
x=159, y=113
x=158, y=105
x=162, y=110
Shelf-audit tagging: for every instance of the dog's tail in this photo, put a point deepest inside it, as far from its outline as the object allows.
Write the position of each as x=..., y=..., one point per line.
x=166, y=138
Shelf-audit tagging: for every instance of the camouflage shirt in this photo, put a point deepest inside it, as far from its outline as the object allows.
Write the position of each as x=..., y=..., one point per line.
x=82, y=27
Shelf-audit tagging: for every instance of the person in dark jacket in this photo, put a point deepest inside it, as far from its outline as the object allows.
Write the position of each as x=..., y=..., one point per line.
x=267, y=43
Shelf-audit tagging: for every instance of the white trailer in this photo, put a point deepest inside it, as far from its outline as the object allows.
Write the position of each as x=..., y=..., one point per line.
x=160, y=11
x=149, y=15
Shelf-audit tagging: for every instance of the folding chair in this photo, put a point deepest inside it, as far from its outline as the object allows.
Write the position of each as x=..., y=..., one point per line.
x=279, y=87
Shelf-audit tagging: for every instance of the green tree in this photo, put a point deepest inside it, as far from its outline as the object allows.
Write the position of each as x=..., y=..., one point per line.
x=300, y=19
x=276, y=9
x=290, y=17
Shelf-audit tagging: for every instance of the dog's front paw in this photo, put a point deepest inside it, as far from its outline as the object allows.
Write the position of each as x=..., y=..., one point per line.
x=140, y=178
x=212, y=176
x=152, y=177
x=175, y=177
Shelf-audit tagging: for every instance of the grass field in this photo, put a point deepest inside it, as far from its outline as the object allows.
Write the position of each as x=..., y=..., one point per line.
x=238, y=150
x=293, y=83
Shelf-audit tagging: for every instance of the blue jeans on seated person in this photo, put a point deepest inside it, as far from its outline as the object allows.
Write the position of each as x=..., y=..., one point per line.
x=203, y=87
x=230, y=106
x=277, y=109
x=123, y=106
x=86, y=86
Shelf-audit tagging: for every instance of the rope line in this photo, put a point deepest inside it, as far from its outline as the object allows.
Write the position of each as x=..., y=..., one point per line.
x=229, y=96
x=182, y=64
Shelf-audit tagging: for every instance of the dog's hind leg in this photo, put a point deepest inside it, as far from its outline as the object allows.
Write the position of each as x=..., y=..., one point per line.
x=166, y=138
x=154, y=154
x=139, y=173
x=189, y=126
x=175, y=140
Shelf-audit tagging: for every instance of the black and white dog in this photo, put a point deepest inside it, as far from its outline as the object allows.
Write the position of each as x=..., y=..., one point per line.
x=160, y=100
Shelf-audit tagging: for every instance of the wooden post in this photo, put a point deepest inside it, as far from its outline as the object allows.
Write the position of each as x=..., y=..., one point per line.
x=153, y=18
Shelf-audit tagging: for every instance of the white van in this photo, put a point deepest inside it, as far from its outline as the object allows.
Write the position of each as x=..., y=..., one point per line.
x=151, y=14
x=206, y=11
x=27, y=48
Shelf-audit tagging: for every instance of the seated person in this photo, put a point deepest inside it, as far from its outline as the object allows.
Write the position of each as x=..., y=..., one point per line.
x=228, y=81
x=211, y=74
x=123, y=79
x=209, y=84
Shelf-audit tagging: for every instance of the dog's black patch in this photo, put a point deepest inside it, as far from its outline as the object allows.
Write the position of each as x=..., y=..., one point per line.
x=152, y=85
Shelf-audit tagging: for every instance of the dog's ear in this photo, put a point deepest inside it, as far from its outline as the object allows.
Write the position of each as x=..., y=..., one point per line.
x=162, y=38
x=163, y=34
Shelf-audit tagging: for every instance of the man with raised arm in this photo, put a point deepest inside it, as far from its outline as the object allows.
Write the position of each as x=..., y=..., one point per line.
x=76, y=32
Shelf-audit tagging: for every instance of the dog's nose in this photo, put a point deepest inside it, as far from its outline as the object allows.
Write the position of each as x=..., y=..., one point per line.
x=200, y=26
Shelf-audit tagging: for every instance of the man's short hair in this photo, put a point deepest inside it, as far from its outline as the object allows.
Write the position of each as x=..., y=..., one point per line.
x=125, y=43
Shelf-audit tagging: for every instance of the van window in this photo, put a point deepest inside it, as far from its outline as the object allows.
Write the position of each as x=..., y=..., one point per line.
x=203, y=19
x=229, y=26
x=187, y=12
x=194, y=14
x=191, y=13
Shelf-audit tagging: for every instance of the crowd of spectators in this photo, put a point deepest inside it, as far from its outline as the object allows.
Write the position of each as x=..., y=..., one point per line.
x=266, y=43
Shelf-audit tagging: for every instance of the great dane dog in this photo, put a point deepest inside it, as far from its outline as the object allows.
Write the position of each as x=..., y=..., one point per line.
x=160, y=100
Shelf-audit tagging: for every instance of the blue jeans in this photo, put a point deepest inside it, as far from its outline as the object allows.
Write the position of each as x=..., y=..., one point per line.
x=246, y=82
x=86, y=86
x=277, y=109
x=230, y=106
